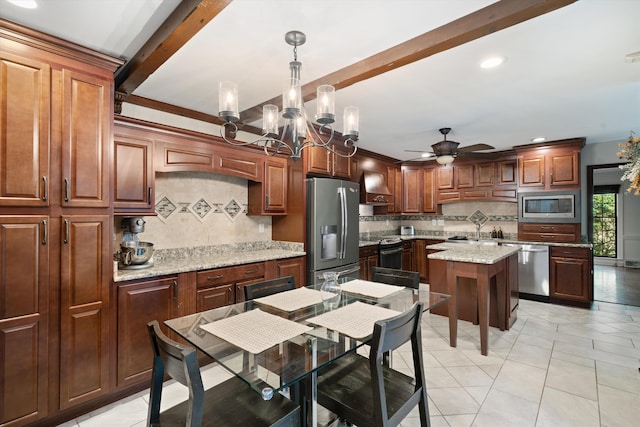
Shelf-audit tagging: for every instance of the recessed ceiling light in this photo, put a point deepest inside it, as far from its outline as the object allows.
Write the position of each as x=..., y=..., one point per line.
x=27, y=4
x=492, y=62
x=538, y=139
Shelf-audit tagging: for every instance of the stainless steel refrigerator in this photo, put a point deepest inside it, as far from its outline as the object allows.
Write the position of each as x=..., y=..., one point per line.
x=332, y=228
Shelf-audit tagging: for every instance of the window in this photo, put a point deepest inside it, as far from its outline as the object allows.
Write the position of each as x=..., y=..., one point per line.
x=605, y=224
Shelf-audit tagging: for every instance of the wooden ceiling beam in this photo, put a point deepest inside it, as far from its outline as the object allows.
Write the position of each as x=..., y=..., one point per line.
x=186, y=20
x=495, y=17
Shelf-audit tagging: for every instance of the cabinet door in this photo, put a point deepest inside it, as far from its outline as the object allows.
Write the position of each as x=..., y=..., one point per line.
x=318, y=160
x=564, y=169
x=506, y=172
x=531, y=170
x=86, y=137
x=411, y=189
x=464, y=176
x=292, y=267
x=275, y=186
x=445, y=177
x=239, y=163
x=341, y=166
x=485, y=174
x=133, y=175
x=210, y=298
x=85, y=273
x=428, y=190
x=25, y=86
x=570, y=279
x=420, y=256
x=138, y=304
x=24, y=313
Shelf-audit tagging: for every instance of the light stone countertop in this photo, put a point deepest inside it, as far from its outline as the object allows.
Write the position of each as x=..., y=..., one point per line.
x=475, y=253
x=375, y=240
x=173, y=261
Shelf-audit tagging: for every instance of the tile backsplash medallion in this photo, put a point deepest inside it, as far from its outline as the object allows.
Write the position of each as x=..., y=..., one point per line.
x=201, y=209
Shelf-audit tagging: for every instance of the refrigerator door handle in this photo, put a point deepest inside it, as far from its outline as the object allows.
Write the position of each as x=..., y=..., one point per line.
x=344, y=223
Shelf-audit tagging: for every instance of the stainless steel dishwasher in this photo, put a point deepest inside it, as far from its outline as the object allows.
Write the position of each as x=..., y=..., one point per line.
x=533, y=271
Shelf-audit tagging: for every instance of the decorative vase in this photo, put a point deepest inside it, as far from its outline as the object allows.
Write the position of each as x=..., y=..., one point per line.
x=330, y=291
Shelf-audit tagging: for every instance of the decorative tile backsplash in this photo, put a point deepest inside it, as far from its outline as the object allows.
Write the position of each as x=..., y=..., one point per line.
x=201, y=209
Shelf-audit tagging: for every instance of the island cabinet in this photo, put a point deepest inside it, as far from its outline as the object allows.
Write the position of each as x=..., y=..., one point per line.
x=55, y=210
x=368, y=259
x=549, y=166
x=571, y=275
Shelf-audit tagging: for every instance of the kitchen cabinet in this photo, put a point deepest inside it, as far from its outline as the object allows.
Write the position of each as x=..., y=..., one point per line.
x=134, y=178
x=394, y=182
x=478, y=181
x=288, y=267
x=24, y=318
x=319, y=161
x=571, y=275
x=554, y=165
x=25, y=85
x=407, y=255
x=231, y=161
x=140, y=302
x=368, y=258
x=180, y=156
x=421, y=262
x=549, y=232
x=418, y=189
x=223, y=286
x=269, y=197
x=85, y=272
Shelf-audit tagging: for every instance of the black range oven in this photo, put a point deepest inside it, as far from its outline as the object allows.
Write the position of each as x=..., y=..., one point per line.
x=390, y=253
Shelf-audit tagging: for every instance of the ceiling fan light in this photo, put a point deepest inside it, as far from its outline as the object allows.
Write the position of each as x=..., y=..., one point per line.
x=445, y=159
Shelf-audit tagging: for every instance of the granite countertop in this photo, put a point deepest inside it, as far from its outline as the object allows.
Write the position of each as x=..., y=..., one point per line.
x=181, y=260
x=374, y=241
x=475, y=253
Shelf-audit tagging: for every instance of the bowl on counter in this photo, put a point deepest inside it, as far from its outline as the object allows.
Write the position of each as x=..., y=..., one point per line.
x=135, y=253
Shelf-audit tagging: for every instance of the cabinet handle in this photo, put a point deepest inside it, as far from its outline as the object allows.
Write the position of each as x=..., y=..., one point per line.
x=149, y=194
x=230, y=294
x=255, y=270
x=66, y=231
x=44, y=189
x=175, y=290
x=266, y=199
x=215, y=277
x=66, y=189
x=45, y=232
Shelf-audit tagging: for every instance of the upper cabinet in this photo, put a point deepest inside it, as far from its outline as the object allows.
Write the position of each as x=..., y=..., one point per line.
x=418, y=189
x=319, y=161
x=555, y=165
x=134, y=178
x=269, y=197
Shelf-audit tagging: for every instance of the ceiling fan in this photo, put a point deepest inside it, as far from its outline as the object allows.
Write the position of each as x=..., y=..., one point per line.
x=445, y=151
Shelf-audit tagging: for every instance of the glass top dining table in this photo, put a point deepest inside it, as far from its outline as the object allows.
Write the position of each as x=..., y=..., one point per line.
x=275, y=342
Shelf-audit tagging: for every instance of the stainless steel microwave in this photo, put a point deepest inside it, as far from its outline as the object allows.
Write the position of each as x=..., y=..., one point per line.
x=549, y=206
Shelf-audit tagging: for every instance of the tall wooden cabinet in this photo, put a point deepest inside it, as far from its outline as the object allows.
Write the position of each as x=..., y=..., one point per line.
x=55, y=209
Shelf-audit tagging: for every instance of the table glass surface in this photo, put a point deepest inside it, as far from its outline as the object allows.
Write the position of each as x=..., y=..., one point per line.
x=284, y=364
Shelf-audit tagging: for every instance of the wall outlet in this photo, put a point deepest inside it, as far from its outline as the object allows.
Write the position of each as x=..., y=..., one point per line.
x=434, y=222
x=440, y=221
x=260, y=228
x=387, y=222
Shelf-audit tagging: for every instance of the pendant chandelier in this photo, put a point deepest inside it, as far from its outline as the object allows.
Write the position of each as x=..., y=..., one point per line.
x=297, y=132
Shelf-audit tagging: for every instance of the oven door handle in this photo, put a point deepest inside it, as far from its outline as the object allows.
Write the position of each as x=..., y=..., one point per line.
x=390, y=251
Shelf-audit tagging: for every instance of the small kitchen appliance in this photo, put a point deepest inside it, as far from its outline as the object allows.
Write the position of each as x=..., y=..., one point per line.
x=133, y=253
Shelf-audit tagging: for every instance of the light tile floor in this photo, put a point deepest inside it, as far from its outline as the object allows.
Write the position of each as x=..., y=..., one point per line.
x=557, y=366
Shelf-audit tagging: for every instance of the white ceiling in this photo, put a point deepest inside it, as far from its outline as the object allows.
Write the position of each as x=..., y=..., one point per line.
x=565, y=75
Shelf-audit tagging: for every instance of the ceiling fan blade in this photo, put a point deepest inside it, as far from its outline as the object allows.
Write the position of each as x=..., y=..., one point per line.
x=475, y=147
x=415, y=151
x=476, y=155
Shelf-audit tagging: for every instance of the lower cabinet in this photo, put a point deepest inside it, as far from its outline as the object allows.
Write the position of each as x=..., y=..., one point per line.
x=223, y=286
x=138, y=304
x=295, y=267
x=421, y=262
x=368, y=259
x=571, y=275
x=407, y=255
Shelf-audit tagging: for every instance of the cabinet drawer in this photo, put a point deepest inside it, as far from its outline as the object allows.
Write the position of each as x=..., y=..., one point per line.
x=548, y=228
x=569, y=252
x=368, y=250
x=547, y=237
x=220, y=276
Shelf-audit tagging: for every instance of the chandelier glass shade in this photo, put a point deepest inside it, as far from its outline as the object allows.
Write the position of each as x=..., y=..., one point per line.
x=297, y=133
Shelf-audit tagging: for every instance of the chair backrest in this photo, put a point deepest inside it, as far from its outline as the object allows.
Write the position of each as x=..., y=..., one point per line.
x=180, y=363
x=269, y=287
x=392, y=276
x=388, y=335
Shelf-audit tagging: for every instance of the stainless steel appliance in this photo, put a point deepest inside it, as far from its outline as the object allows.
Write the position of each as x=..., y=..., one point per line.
x=332, y=228
x=533, y=271
x=390, y=253
x=133, y=253
x=549, y=206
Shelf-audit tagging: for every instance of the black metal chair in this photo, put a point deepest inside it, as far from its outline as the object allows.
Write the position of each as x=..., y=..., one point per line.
x=231, y=403
x=392, y=276
x=269, y=287
x=365, y=392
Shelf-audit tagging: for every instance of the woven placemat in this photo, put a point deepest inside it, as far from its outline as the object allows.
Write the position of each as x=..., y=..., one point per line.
x=355, y=320
x=255, y=331
x=292, y=300
x=370, y=289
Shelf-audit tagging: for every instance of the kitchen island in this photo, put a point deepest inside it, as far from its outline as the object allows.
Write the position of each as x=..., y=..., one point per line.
x=482, y=279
